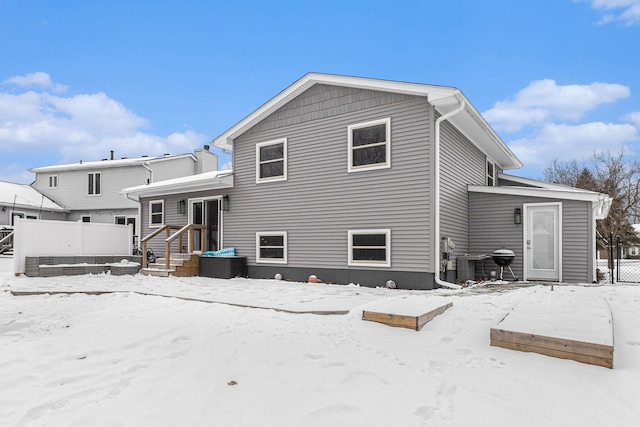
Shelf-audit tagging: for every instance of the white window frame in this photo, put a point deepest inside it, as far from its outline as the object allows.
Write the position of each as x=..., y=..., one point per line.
x=387, y=143
x=261, y=260
x=115, y=219
x=282, y=177
x=94, y=184
x=361, y=263
x=82, y=217
x=486, y=173
x=53, y=181
x=151, y=224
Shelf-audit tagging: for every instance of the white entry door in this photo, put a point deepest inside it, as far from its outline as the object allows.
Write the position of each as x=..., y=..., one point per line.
x=542, y=241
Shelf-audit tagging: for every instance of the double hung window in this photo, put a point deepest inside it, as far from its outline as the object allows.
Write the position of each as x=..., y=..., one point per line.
x=369, y=145
x=156, y=213
x=271, y=161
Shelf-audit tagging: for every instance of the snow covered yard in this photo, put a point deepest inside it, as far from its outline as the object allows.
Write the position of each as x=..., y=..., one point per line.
x=126, y=359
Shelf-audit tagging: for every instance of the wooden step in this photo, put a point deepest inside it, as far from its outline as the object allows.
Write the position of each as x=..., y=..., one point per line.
x=181, y=265
x=158, y=272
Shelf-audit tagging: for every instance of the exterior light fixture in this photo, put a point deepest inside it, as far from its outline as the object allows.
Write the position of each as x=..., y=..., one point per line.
x=517, y=216
x=224, y=206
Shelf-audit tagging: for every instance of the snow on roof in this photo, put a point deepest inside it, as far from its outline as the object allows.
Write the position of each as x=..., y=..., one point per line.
x=25, y=196
x=101, y=164
x=186, y=184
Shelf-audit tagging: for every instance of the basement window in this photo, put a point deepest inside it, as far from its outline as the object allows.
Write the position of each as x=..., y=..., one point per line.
x=271, y=247
x=370, y=248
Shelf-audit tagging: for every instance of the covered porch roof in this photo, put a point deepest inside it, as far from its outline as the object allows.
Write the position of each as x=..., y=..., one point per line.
x=205, y=181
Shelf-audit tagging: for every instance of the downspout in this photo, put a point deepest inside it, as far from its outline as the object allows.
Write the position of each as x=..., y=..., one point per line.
x=436, y=155
x=139, y=221
x=146, y=166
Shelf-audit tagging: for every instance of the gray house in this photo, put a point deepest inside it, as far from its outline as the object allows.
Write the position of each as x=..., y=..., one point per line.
x=360, y=180
x=89, y=191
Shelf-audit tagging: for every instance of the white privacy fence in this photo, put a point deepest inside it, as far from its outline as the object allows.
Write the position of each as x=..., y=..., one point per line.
x=55, y=238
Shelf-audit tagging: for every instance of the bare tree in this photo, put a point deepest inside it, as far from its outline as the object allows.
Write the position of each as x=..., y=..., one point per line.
x=564, y=173
x=610, y=173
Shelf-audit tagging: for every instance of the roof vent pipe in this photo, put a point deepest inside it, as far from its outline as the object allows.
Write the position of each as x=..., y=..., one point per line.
x=436, y=219
x=112, y=154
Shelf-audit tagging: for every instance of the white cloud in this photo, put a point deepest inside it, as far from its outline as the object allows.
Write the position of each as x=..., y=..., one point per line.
x=634, y=118
x=38, y=79
x=85, y=126
x=630, y=13
x=545, y=100
x=573, y=142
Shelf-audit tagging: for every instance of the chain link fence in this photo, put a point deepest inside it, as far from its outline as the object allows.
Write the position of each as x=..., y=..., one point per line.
x=618, y=267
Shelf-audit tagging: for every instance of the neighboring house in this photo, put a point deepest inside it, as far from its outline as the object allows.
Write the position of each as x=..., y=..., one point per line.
x=26, y=202
x=360, y=180
x=89, y=191
x=633, y=250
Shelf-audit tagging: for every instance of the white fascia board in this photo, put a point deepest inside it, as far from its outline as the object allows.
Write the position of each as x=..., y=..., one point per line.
x=600, y=202
x=443, y=98
x=541, y=184
x=106, y=164
x=190, y=184
x=225, y=140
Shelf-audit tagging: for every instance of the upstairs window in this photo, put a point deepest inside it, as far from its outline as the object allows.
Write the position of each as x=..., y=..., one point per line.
x=156, y=213
x=53, y=181
x=370, y=248
x=491, y=173
x=271, y=161
x=271, y=247
x=369, y=145
x=94, y=184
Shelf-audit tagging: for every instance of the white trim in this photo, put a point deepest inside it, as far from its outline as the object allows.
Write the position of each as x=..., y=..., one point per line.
x=152, y=202
x=271, y=260
x=387, y=143
x=525, y=226
x=360, y=263
x=486, y=172
x=470, y=122
x=94, y=194
x=220, y=215
x=189, y=184
x=282, y=177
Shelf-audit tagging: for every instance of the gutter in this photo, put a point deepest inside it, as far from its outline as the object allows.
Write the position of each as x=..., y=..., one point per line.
x=436, y=155
x=146, y=166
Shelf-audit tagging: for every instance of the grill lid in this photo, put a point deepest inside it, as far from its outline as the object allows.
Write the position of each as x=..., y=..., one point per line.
x=504, y=253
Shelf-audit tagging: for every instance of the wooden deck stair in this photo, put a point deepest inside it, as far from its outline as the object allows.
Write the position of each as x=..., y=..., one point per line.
x=180, y=265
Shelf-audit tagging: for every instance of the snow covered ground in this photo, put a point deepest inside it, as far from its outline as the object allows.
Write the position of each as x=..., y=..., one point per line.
x=127, y=359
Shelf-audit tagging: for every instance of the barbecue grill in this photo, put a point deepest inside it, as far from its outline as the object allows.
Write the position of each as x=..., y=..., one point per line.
x=504, y=258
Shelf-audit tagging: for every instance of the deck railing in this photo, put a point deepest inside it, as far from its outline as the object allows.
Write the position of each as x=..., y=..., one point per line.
x=170, y=238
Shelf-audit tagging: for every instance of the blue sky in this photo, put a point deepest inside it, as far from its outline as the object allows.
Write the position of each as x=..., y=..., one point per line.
x=557, y=79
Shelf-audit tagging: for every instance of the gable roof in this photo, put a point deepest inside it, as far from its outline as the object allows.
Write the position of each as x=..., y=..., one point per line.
x=24, y=196
x=445, y=99
x=106, y=163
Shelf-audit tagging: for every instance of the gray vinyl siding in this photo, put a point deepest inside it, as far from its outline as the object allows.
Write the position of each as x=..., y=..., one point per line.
x=320, y=201
x=462, y=164
x=172, y=217
x=492, y=227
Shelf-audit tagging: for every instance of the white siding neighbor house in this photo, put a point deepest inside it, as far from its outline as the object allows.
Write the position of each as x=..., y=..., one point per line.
x=90, y=191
